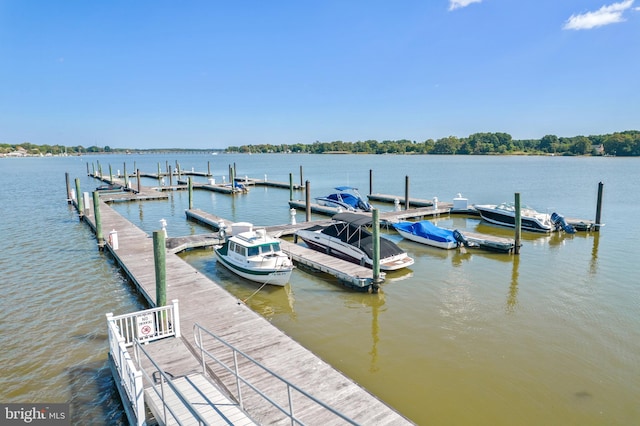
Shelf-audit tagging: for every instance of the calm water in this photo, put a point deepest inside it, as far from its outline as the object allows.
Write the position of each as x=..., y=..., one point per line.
x=548, y=337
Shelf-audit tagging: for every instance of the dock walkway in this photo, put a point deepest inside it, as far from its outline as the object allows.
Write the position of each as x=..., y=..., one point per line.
x=205, y=303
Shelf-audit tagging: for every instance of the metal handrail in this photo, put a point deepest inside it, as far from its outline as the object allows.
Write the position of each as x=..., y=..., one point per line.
x=234, y=370
x=164, y=378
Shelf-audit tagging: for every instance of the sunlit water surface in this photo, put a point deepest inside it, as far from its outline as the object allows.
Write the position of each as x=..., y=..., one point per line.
x=547, y=337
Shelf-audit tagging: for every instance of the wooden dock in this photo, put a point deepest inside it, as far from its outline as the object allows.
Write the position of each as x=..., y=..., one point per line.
x=204, y=302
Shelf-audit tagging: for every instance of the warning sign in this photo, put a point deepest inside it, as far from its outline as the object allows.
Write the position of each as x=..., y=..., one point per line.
x=146, y=325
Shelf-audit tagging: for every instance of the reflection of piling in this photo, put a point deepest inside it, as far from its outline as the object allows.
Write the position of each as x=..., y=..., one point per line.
x=518, y=224
x=596, y=227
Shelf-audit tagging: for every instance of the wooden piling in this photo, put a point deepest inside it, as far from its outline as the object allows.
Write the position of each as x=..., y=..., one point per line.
x=98, y=220
x=66, y=175
x=406, y=192
x=208, y=168
x=170, y=176
x=307, y=197
x=110, y=174
x=301, y=182
x=290, y=186
x=126, y=176
x=159, y=171
x=159, y=256
x=79, y=199
x=370, y=181
x=518, y=224
x=138, y=178
x=190, y=193
x=596, y=226
x=377, y=279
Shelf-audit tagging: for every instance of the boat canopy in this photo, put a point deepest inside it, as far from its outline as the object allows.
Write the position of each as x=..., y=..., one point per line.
x=353, y=218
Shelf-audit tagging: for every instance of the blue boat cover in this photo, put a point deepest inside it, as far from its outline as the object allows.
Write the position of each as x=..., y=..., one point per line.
x=426, y=229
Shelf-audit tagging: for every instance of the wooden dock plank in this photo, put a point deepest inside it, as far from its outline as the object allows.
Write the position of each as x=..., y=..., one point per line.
x=204, y=302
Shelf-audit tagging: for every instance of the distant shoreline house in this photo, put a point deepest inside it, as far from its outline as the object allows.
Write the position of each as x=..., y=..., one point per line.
x=598, y=149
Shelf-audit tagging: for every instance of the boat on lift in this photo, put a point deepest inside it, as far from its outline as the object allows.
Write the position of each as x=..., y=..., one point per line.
x=347, y=198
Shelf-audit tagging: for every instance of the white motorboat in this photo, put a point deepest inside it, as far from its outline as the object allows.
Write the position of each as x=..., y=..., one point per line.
x=531, y=220
x=254, y=255
x=348, y=238
x=425, y=232
x=347, y=198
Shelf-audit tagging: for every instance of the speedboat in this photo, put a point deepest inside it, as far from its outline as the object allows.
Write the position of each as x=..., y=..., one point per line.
x=348, y=238
x=504, y=214
x=347, y=198
x=254, y=255
x=425, y=232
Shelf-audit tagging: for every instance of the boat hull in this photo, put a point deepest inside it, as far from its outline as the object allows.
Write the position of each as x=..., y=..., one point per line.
x=277, y=276
x=350, y=253
x=506, y=218
x=448, y=245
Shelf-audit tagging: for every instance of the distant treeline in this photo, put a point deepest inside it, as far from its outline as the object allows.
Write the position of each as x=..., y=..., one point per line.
x=625, y=144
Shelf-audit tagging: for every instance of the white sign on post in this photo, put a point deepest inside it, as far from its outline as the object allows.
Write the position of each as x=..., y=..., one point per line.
x=146, y=326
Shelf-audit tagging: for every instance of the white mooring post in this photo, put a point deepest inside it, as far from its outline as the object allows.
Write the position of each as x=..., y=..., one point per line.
x=113, y=239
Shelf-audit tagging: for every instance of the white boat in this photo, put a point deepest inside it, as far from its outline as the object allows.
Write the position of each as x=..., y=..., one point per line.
x=504, y=214
x=349, y=239
x=254, y=255
x=347, y=198
x=425, y=232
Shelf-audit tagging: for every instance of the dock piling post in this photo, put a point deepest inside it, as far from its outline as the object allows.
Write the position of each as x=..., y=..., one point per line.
x=370, y=181
x=138, y=177
x=110, y=174
x=307, y=197
x=290, y=186
x=190, y=193
x=596, y=227
x=170, y=176
x=79, y=199
x=301, y=182
x=88, y=169
x=159, y=171
x=376, y=251
x=98, y=219
x=159, y=256
x=406, y=192
x=66, y=176
x=518, y=224
x=208, y=168
x=126, y=176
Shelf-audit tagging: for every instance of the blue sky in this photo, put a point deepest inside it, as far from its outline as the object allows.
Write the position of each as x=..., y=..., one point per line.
x=213, y=74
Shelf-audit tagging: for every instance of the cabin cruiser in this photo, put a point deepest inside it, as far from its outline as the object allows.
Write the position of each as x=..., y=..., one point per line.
x=254, y=255
x=348, y=238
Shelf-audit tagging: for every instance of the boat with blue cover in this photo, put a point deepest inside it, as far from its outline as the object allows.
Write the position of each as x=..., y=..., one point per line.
x=425, y=232
x=347, y=198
